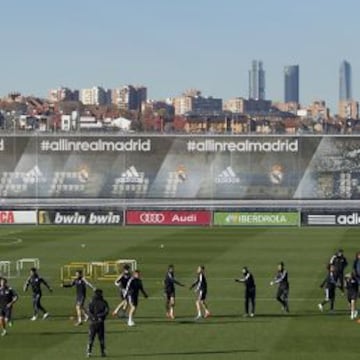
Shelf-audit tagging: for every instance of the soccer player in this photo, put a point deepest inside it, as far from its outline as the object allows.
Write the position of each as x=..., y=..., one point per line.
x=282, y=280
x=133, y=287
x=98, y=311
x=356, y=266
x=8, y=298
x=340, y=262
x=80, y=284
x=329, y=284
x=250, y=291
x=35, y=281
x=169, y=289
x=352, y=287
x=121, y=282
x=200, y=286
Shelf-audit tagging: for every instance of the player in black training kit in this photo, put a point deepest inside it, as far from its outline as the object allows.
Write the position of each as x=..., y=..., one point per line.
x=8, y=298
x=80, y=284
x=356, y=266
x=340, y=263
x=200, y=286
x=35, y=281
x=133, y=287
x=329, y=284
x=169, y=289
x=282, y=280
x=98, y=311
x=250, y=291
x=121, y=282
x=352, y=287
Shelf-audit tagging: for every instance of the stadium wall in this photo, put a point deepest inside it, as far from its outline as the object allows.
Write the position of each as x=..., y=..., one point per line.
x=178, y=169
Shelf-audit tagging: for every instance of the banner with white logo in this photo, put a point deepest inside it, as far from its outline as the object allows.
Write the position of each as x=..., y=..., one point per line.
x=257, y=218
x=80, y=217
x=218, y=167
x=168, y=217
x=331, y=218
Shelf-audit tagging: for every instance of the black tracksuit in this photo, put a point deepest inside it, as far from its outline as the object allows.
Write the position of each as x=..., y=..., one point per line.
x=330, y=283
x=200, y=285
x=340, y=263
x=35, y=281
x=283, y=289
x=250, y=291
x=7, y=295
x=169, y=285
x=133, y=287
x=98, y=311
x=122, y=282
x=352, y=287
x=80, y=284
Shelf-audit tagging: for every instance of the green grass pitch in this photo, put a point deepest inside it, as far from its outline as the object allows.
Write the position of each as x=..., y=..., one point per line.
x=303, y=334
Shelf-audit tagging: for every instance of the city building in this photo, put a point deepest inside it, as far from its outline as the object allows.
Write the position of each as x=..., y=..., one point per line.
x=95, y=96
x=318, y=110
x=63, y=94
x=257, y=81
x=345, y=90
x=291, y=107
x=291, y=79
x=129, y=97
x=348, y=109
x=240, y=105
x=192, y=101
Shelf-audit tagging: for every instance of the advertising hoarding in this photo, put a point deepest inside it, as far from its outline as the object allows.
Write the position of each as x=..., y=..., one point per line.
x=180, y=167
x=80, y=217
x=330, y=218
x=251, y=218
x=18, y=217
x=168, y=217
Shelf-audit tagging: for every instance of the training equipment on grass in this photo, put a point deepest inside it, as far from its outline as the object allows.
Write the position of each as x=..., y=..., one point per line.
x=29, y=262
x=5, y=268
x=96, y=270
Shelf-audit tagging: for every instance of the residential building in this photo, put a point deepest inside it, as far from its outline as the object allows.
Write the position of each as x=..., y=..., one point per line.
x=348, y=109
x=291, y=80
x=129, y=97
x=318, y=110
x=94, y=96
x=241, y=106
x=63, y=94
x=196, y=103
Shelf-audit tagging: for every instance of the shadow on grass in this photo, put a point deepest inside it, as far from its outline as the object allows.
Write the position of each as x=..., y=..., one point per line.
x=191, y=353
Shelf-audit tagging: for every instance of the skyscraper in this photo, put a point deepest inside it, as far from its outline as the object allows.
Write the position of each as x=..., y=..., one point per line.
x=345, y=91
x=291, y=77
x=257, y=81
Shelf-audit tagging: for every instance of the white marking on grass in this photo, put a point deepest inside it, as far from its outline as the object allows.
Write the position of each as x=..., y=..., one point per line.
x=10, y=241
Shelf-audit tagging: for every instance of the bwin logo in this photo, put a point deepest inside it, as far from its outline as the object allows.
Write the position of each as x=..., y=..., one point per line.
x=351, y=219
x=227, y=176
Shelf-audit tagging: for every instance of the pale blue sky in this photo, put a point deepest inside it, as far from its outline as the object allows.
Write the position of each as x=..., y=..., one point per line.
x=172, y=45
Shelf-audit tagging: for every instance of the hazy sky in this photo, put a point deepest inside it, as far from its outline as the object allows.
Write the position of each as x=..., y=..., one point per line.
x=171, y=45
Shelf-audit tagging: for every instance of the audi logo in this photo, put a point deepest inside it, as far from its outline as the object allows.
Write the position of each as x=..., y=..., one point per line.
x=152, y=218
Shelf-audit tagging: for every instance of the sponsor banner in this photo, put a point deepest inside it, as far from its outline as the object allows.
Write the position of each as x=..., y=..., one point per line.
x=334, y=218
x=168, y=217
x=80, y=217
x=11, y=217
x=251, y=218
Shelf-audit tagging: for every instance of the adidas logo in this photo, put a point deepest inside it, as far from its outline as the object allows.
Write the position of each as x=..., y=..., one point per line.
x=131, y=176
x=33, y=176
x=227, y=176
